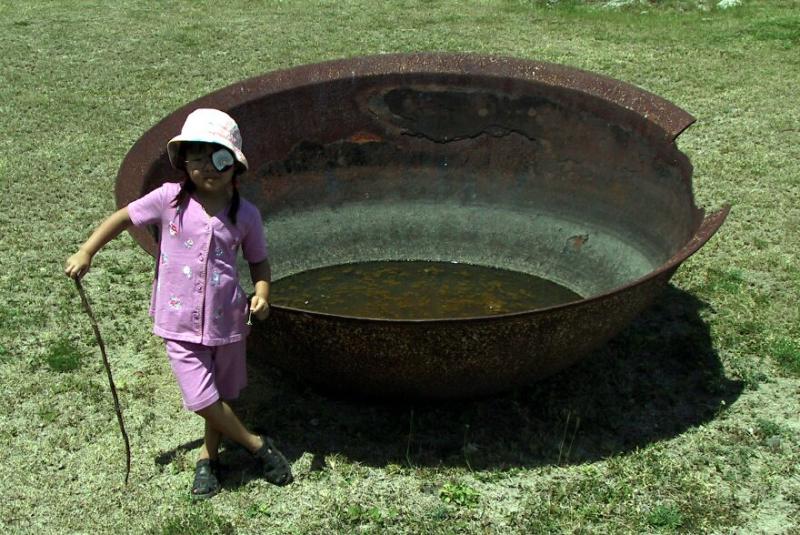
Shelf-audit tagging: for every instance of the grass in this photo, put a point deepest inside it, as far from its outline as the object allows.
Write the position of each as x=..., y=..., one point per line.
x=685, y=423
x=786, y=353
x=63, y=356
x=665, y=517
x=200, y=520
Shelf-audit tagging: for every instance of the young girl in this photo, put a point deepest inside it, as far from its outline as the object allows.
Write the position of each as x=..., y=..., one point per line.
x=197, y=305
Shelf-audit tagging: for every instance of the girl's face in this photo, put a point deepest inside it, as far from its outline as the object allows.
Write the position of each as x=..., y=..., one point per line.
x=201, y=169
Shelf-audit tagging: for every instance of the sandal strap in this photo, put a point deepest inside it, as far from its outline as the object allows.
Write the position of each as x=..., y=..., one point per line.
x=206, y=478
x=276, y=468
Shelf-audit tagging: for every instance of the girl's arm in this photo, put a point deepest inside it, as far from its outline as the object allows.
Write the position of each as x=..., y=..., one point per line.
x=79, y=263
x=261, y=274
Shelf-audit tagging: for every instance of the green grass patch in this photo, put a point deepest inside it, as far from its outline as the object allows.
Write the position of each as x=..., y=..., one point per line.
x=63, y=356
x=668, y=438
x=786, y=353
x=724, y=280
x=358, y=515
x=259, y=510
x=767, y=428
x=198, y=520
x=784, y=31
x=459, y=494
x=48, y=414
x=666, y=517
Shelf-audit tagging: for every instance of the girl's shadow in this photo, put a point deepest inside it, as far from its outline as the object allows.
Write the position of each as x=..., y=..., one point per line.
x=658, y=378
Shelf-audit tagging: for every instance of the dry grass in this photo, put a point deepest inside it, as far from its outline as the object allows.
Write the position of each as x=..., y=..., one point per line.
x=687, y=422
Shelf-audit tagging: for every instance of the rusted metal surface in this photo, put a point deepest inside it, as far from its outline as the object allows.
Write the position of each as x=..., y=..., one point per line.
x=496, y=161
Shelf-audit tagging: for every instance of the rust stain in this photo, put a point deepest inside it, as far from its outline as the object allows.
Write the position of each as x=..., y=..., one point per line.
x=578, y=241
x=364, y=137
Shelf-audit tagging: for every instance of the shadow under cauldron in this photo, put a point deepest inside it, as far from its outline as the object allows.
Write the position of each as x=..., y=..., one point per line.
x=656, y=379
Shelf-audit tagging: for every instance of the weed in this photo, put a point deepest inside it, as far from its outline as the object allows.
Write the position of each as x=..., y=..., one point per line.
x=662, y=421
x=459, y=494
x=258, y=510
x=357, y=514
x=665, y=516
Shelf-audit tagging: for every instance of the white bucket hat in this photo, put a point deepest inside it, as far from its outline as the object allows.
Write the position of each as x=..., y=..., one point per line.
x=208, y=125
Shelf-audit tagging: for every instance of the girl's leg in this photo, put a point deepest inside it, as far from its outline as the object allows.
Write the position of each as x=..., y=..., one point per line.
x=211, y=440
x=221, y=418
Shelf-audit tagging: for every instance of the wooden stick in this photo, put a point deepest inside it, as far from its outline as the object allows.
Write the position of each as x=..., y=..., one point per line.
x=88, y=310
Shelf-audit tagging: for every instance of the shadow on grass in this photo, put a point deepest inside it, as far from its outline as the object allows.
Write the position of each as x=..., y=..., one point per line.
x=169, y=456
x=658, y=378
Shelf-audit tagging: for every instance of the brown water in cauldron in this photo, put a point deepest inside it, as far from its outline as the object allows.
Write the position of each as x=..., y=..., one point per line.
x=417, y=290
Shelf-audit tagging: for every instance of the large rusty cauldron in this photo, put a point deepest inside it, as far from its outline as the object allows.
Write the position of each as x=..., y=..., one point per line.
x=492, y=161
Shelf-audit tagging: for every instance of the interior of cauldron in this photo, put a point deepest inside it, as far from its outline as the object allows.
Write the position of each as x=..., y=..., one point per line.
x=488, y=171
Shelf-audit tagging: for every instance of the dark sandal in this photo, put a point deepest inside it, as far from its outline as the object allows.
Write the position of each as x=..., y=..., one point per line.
x=276, y=468
x=206, y=479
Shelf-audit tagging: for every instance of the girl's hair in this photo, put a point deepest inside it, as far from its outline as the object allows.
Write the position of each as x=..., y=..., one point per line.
x=187, y=187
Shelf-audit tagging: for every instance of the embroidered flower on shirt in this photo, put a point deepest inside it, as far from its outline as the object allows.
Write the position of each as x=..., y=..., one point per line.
x=187, y=271
x=188, y=243
x=218, y=313
x=218, y=251
x=173, y=228
x=175, y=302
x=215, y=278
x=164, y=258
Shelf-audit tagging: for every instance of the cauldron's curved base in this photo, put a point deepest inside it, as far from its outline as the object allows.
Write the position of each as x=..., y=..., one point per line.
x=439, y=360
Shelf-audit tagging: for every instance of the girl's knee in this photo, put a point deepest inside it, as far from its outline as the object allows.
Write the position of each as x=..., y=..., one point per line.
x=209, y=410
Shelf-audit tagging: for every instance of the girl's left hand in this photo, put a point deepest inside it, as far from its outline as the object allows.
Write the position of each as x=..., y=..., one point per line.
x=259, y=307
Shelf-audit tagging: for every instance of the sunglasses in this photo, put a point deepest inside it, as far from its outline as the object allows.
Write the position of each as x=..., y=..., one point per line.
x=222, y=159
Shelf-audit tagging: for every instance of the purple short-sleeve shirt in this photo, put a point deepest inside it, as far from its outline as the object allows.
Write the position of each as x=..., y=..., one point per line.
x=196, y=293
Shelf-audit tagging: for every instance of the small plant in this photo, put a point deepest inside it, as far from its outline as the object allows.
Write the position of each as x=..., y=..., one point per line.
x=357, y=514
x=63, y=356
x=665, y=516
x=258, y=510
x=459, y=494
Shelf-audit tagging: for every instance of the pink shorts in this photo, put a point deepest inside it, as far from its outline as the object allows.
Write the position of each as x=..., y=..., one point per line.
x=206, y=374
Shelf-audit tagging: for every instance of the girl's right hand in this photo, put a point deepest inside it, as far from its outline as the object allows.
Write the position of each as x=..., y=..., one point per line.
x=78, y=265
